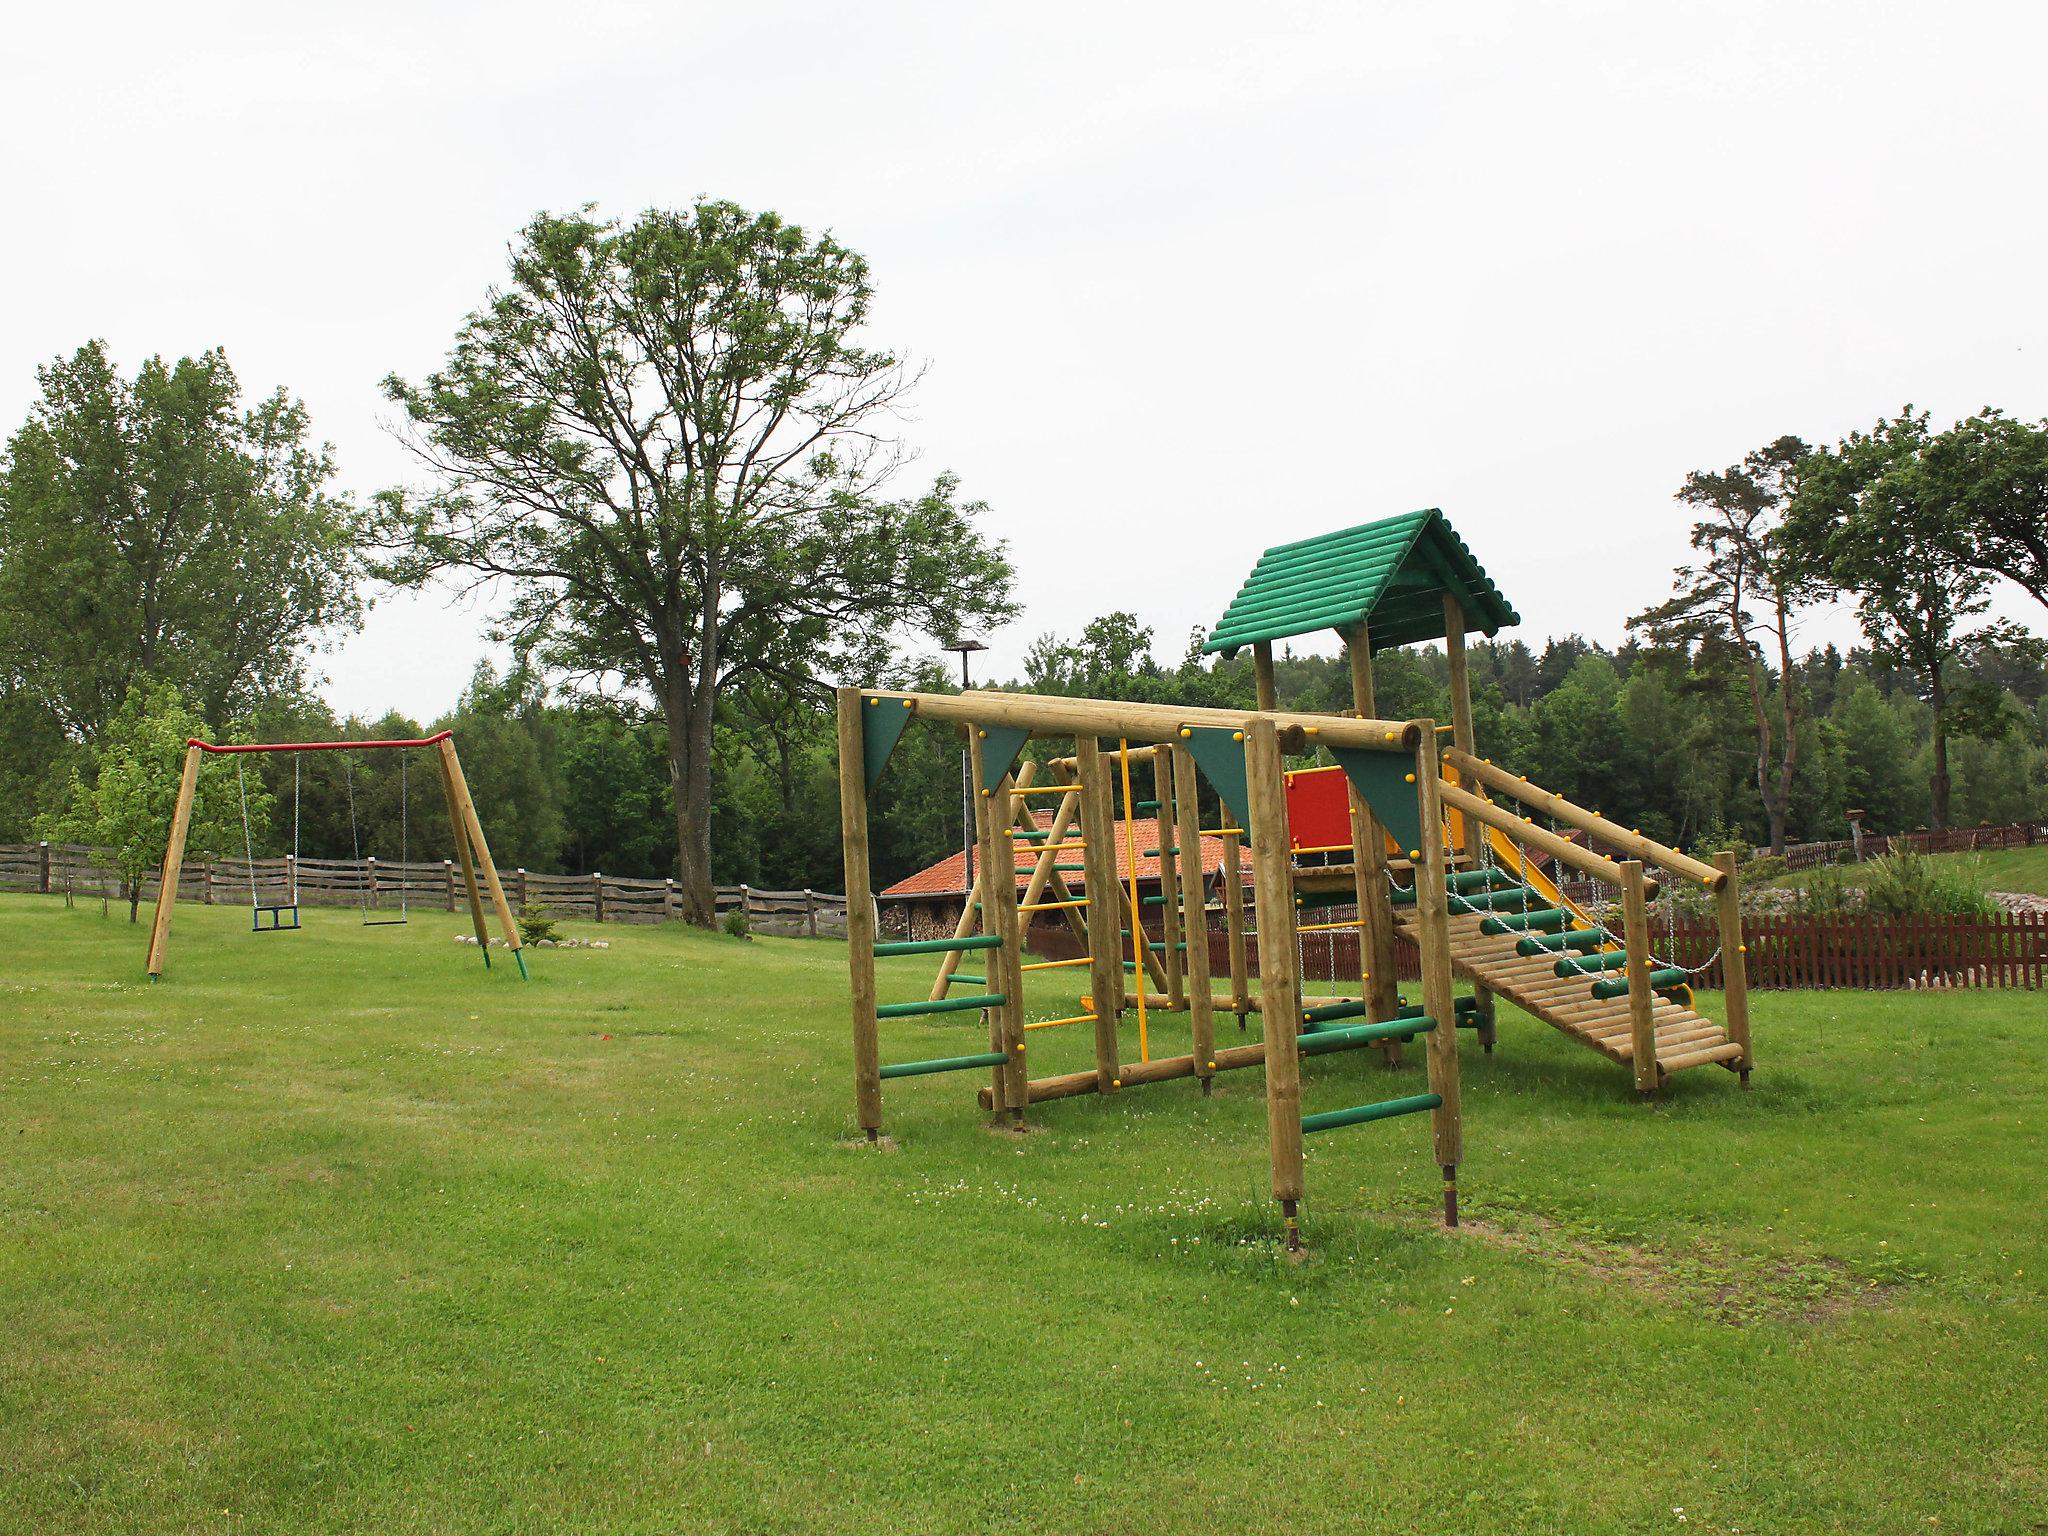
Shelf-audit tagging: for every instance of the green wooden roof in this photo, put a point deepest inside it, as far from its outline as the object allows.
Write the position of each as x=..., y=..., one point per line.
x=1392, y=574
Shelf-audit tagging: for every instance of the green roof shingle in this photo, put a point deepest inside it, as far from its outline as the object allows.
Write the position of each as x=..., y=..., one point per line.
x=1391, y=574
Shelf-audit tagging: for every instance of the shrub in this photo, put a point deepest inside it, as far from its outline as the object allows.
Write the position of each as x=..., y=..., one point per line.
x=1828, y=893
x=1909, y=884
x=536, y=924
x=736, y=924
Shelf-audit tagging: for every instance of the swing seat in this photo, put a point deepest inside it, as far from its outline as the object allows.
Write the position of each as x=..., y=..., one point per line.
x=385, y=922
x=277, y=924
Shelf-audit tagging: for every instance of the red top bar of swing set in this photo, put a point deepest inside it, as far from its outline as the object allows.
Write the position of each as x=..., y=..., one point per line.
x=316, y=746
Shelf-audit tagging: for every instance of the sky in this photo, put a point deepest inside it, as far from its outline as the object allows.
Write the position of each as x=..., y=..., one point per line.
x=1188, y=280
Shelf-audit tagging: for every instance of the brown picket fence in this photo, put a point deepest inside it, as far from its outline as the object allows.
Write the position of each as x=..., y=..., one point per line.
x=70, y=868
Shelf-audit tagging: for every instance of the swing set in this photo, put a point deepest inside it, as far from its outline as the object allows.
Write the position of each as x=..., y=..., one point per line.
x=472, y=851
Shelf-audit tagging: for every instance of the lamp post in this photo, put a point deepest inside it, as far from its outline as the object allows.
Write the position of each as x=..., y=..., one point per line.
x=967, y=648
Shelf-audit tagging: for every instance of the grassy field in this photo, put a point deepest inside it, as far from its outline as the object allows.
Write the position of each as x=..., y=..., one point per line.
x=333, y=1231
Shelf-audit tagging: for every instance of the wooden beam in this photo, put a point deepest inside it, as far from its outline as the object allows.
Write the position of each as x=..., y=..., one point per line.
x=1632, y=842
x=174, y=863
x=992, y=820
x=1461, y=737
x=860, y=913
x=1279, y=979
x=1262, y=672
x=1105, y=968
x=1142, y=724
x=481, y=847
x=1187, y=805
x=1734, y=961
x=1439, y=996
x=1635, y=925
x=1376, y=950
x=1524, y=831
x=466, y=858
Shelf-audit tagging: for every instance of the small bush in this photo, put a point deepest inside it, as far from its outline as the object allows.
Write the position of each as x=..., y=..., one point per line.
x=736, y=924
x=1828, y=893
x=1909, y=884
x=536, y=924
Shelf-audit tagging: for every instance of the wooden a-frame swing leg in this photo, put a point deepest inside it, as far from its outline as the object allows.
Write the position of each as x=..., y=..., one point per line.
x=451, y=766
x=174, y=863
x=467, y=860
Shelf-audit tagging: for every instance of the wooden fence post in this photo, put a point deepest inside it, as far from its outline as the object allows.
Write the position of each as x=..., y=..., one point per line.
x=522, y=885
x=448, y=873
x=668, y=901
x=597, y=894
x=370, y=881
x=206, y=883
x=43, y=868
x=810, y=912
x=1635, y=925
x=747, y=905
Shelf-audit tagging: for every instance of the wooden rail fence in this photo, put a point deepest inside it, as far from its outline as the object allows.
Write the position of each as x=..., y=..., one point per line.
x=2018, y=834
x=62, y=867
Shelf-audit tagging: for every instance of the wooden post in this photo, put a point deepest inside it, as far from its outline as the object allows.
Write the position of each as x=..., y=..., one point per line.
x=480, y=847
x=206, y=883
x=369, y=878
x=1635, y=926
x=174, y=859
x=668, y=900
x=597, y=895
x=1734, y=962
x=1462, y=738
x=1439, y=996
x=860, y=911
x=1233, y=924
x=1187, y=829
x=1262, y=673
x=810, y=913
x=1010, y=1087
x=1164, y=789
x=468, y=861
x=448, y=879
x=1377, y=979
x=43, y=868
x=1098, y=856
x=1279, y=980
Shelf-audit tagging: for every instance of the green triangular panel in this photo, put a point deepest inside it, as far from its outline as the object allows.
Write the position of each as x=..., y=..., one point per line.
x=1383, y=780
x=999, y=746
x=881, y=727
x=1219, y=753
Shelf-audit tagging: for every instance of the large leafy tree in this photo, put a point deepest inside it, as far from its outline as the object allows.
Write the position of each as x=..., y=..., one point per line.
x=666, y=439
x=1876, y=520
x=1745, y=588
x=122, y=802
x=154, y=529
x=1994, y=470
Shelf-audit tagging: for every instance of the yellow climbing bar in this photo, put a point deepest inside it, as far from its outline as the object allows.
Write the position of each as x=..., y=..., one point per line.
x=1079, y=1018
x=1328, y=927
x=1045, y=789
x=1052, y=906
x=1056, y=965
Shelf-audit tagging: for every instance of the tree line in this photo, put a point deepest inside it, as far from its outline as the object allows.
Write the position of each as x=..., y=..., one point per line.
x=668, y=446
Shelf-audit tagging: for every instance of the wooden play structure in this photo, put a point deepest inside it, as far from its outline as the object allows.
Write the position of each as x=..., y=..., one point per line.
x=1427, y=841
x=473, y=852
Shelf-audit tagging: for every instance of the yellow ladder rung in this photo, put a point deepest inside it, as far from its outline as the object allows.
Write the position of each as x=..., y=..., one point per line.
x=1327, y=927
x=1047, y=789
x=1051, y=906
x=1227, y=832
x=1325, y=848
x=1079, y=1018
x=1054, y=965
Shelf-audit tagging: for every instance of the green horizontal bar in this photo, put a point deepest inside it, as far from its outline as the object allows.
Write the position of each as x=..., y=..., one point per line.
x=1386, y=1109
x=945, y=1005
x=1517, y=922
x=939, y=946
x=1330, y=1011
x=962, y=976
x=1660, y=981
x=944, y=1064
x=1160, y=948
x=1153, y=853
x=1520, y=899
x=1155, y=901
x=1550, y=943
x=1613, y=960
x=1148, y=805
x=1317, y=1042
x=1466, y=880
x=1032, y=837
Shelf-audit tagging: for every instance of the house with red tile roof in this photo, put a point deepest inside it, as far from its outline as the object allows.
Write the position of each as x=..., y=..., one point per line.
x=927, y=904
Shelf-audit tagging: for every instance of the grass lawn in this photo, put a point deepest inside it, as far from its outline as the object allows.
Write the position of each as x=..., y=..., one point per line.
x=333, y=1231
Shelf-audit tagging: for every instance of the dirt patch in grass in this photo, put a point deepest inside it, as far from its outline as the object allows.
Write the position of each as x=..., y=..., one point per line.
x=1716, y=1281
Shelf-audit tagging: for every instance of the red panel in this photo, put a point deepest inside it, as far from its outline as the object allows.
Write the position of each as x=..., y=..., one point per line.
x=1318, y=809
